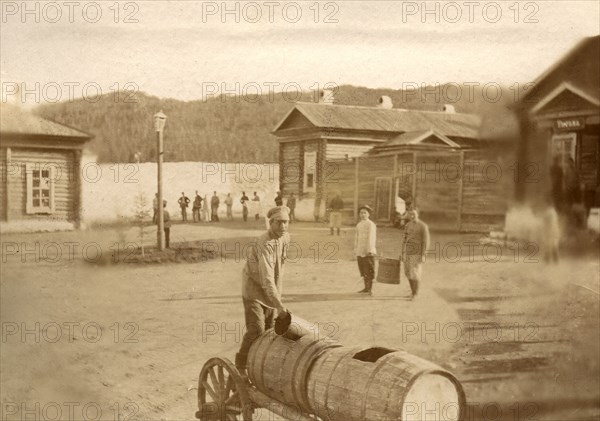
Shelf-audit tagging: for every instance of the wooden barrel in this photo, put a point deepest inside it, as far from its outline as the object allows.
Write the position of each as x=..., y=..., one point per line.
x=278, y=366
x=357, y=384
x=388, y=271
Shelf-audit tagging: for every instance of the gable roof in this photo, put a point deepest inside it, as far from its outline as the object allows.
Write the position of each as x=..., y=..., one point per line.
x=15, y=121
x=565, y=89
x=579, y=68
x=393, y=120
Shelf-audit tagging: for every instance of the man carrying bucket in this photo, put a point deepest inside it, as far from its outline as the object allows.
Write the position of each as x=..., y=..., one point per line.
x=262, y=281
x=364, y=248
x=414, y=247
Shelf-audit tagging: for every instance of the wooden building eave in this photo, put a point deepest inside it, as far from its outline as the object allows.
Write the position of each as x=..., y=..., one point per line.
x=42, y=142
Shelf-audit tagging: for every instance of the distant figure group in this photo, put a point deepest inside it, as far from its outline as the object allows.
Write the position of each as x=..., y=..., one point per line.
x=204, y=210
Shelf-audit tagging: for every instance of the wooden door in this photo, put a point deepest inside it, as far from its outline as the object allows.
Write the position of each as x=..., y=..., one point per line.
x=383, y=199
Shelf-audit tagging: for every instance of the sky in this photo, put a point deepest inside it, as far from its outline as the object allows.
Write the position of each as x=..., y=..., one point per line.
x=190, y=50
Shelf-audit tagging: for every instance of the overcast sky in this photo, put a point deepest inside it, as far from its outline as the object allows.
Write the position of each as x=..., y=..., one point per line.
x=184, y=49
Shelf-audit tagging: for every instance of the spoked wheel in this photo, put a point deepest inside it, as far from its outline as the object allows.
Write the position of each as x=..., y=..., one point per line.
x=222, y=393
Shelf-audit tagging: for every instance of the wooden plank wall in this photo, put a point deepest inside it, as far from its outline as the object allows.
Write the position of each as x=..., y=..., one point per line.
x=64, y=191
x=447, y=197
x=341, y=178
x=437, y=188
x=340, y=150
x=291, y=171
x=368, y=170
x=590, y=153
x=487, y=187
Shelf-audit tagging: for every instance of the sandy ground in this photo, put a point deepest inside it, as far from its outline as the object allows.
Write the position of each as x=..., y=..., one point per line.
x=116, y=341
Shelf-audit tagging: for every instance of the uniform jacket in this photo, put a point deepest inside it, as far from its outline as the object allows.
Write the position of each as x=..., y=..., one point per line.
x=262, y=277
x=416, y=238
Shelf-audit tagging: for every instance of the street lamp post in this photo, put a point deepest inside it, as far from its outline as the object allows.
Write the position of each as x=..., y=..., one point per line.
x=159, y=124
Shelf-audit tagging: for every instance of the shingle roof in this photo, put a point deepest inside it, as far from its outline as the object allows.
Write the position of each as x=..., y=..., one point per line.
x=387, y=120
x=14, y=120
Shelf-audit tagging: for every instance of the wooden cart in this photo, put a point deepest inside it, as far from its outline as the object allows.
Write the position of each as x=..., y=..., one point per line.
x=301, y=376
x=226, y=395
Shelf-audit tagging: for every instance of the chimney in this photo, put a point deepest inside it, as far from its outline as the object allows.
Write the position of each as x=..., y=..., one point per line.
x=326, y=97
x=385, y=102
x=449, y=109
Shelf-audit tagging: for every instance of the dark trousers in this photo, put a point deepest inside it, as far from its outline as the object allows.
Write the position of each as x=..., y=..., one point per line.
x=292, y=214
x=245, y=213
x=366, y=266
x=258, y=320
x=167, y=234
x=196, y=214
x=184, y=214
x=214, y=213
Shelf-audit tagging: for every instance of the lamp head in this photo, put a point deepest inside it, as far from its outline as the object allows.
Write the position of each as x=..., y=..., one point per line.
x=160, y=120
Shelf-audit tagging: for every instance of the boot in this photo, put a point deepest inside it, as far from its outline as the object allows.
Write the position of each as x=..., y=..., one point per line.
x=369, y=286
x=331, y=230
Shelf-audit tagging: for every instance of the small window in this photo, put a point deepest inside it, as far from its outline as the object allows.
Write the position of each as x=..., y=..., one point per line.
x=310, y=170
x=40, y=189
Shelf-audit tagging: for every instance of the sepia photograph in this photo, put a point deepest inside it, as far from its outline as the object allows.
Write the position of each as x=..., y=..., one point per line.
x=303, y=210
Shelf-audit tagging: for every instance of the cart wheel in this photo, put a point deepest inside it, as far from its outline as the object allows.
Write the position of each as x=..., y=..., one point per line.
x=222, y=392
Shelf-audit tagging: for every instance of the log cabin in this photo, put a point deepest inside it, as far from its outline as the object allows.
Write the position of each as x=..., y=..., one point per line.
x=40, y=173
x=377, y=155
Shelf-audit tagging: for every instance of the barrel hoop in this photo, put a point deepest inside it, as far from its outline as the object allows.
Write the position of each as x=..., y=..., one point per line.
x=302, y=392
x=326, y=397
x=302, y=399
x=381, y=362
x=261, y=366
x=252, y=358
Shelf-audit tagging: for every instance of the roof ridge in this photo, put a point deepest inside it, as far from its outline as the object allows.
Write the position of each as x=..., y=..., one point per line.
x=384, y=109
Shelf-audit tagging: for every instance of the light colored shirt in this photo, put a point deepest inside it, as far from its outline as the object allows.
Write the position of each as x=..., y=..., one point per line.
x=365, y=238
x=262, y=277
x=229, y=201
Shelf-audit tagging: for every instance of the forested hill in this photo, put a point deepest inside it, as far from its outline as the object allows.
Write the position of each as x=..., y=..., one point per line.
x=226, y=128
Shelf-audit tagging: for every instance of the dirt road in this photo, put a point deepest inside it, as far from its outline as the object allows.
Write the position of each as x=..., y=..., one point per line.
x=115, y=341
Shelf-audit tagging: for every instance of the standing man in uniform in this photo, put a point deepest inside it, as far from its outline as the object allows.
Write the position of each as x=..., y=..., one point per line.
x=335, y=213
x=262, y=281
x=256, y=199
x=166, y=224
x=244, y=201
x=183, y=203
x=196, y=206
x=291, y=204
x=414, y=246
x=229, y=204
x=214, y=207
